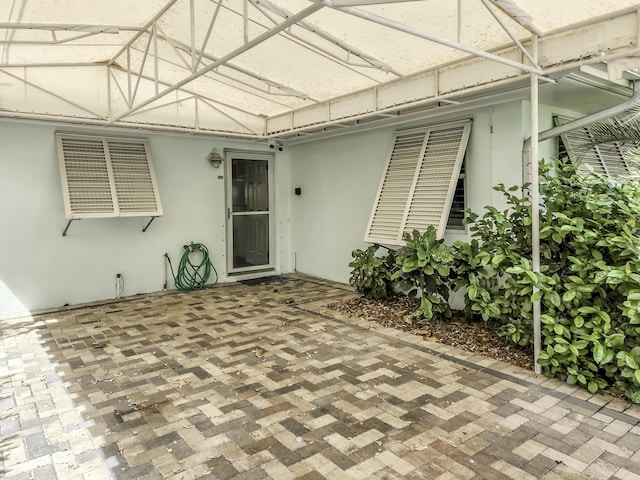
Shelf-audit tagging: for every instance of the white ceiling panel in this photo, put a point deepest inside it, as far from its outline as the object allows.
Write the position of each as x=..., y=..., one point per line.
x=113, y=12
x=550, y=16
x=292, y=64
x=52, y=55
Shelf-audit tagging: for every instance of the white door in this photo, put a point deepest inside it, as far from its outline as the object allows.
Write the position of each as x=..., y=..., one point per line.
x=250, y=230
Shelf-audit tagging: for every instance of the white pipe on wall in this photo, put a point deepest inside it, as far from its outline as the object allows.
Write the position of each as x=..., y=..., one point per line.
x=535, y=205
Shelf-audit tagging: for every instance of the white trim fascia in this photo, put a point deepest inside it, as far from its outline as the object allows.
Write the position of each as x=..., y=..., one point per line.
x=560, y=52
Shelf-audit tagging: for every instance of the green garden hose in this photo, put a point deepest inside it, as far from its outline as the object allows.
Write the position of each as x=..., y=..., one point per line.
x=192, y=276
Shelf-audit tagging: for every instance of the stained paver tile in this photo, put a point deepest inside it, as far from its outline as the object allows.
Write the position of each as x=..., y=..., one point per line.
x=263, y=381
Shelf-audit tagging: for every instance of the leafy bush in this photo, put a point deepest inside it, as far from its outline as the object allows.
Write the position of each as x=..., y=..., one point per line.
x=424, y=267
x=492, y=267
x=588, y=285
x=591, y=245
x=371, y=274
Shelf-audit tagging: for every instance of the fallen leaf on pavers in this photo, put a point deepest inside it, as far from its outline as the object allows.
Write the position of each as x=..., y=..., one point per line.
x=99, y=345
x=289, y=301
x=259, y=352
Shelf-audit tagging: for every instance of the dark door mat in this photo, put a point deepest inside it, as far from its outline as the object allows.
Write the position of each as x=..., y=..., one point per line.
x=263, y=280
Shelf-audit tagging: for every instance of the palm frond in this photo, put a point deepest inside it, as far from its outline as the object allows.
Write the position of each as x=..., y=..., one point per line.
x=622, y=130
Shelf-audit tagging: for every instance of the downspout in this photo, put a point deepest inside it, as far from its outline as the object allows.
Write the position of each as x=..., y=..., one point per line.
x=535, y=203
x=528, y=163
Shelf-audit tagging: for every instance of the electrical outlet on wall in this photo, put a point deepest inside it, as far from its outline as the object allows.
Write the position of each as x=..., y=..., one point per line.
x=119, y=285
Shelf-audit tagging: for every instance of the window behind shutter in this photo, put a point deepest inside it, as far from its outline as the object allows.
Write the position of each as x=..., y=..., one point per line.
x=419, y=181
x=106, y=177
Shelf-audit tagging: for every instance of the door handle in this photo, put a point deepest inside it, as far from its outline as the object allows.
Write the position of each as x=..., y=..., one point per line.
x=228, y=213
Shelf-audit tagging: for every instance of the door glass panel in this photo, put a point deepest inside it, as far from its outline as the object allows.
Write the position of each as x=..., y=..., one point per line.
x=250, y=213
x=250, y=185
x=250, y=240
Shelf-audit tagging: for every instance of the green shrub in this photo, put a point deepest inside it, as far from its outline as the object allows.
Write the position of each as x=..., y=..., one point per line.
x=424, y=267
x=371, y=274
x=491, y=269
x=588, y=285
x=590, y=241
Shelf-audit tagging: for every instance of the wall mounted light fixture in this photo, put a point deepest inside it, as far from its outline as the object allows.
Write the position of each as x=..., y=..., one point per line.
x=215, y=158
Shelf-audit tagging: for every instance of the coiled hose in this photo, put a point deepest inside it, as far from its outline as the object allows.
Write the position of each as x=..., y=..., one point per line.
x=192, y=276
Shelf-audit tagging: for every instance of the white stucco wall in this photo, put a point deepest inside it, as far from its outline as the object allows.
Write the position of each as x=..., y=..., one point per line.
x=340, y=176
x=315, y=232
x=40, y=269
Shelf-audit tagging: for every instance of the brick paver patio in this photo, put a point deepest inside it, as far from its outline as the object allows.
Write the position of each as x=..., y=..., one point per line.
x=261, y=381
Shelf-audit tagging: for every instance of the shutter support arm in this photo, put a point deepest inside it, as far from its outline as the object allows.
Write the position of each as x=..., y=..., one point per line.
x=64, y=232
x=147, y=225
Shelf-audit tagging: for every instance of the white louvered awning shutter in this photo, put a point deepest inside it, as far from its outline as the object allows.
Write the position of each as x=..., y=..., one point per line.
x=396, y=185
x=85, y=177
x=605, y=159
x=437, y=179
x=133, y=178
x=613, y=159
x=419, y=182
x=106, y=177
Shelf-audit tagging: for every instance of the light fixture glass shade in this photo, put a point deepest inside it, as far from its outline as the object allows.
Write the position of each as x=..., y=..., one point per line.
x=215, y=158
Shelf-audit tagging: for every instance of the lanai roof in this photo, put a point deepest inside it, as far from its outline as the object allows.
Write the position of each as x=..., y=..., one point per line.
x=290, y=68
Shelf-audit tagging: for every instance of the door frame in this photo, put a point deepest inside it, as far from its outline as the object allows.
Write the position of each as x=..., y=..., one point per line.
x=229, y=156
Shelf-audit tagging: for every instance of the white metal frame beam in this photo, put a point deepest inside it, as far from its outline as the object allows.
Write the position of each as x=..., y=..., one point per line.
x=152, y=29
x=49, y=92
x=369, y=61
x=449, y=83
x=561, y=51
x=187, y=91
x=442, y=41
x=363, y=3
x=510, y=33
x=67, y=27
x=145, y=28
x=53, y=28
x=518, y=14
x=229, y=56
x=535, y=205
x=287, y=91
x=211, y=103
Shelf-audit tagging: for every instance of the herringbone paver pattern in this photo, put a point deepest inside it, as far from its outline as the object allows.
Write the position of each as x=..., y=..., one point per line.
x=261, y=381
